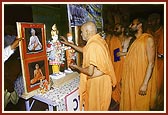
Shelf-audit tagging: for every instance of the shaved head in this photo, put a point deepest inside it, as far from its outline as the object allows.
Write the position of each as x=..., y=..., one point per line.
x=88, y=29
x=90, y=26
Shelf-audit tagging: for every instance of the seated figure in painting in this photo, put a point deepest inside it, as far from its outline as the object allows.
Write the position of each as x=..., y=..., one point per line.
x=34, y=43
x=37, y=75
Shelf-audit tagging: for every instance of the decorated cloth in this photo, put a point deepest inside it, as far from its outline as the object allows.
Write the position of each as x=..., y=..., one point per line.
x=118, y=65
x=134, y=71
x=95, y=93
x=55, y=96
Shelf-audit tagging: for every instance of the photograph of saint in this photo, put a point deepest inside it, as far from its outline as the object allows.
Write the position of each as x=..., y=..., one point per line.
x=34, y=44
x=37, y=72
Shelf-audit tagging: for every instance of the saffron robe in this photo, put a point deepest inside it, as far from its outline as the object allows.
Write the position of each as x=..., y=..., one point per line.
x=134, y=71
x=159, y=41
x=107, y=39
x=118, y=65
x=95, y=93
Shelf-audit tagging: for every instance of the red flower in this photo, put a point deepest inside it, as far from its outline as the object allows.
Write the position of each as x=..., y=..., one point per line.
x=49, y=45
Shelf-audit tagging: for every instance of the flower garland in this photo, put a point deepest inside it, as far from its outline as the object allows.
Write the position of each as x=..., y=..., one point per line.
x=55, y=52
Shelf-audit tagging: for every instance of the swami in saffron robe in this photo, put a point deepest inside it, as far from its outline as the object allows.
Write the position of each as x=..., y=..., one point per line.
x=118, y=65
x=134, y=71
x=159, y=41
x=95, y=93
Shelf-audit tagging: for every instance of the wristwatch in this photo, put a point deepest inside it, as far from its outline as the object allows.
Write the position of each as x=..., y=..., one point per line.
x=160, y=55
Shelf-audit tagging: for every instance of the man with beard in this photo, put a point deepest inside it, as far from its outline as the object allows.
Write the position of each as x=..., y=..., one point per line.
x=139, y=75
x=116, y=47
x=156, y=29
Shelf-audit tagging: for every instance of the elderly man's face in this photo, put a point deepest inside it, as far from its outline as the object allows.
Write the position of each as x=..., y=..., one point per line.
x=84, y=33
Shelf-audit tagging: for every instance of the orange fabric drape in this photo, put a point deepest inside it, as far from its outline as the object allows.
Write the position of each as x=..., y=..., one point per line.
x=159, y=40
x=114, y=44
x=108, y=38
x=134, y=70
x=95, y=93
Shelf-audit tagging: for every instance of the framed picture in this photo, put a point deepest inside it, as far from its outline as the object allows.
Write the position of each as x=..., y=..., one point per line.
x=34, y=39
x=33, y=56
x=34, y=70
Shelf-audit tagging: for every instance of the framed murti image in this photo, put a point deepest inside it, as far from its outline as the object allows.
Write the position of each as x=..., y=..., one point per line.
x=33, y=56
x=34, y=43
x=34, y=71
x=34, y=39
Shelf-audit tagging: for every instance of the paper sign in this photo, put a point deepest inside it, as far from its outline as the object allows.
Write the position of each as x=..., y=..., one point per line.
x=72, y=101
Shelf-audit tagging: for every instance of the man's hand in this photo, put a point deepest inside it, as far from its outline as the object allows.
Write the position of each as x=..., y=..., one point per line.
x=73, y=66
x=119, y=54
x=143, y=89
x=65, y=41
x=17, y=38
x=15, y=43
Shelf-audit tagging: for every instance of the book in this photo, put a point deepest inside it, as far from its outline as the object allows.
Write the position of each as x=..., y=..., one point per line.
x=116, y=58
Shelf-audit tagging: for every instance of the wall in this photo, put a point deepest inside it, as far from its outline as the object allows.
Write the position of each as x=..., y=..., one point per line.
x=49, y=15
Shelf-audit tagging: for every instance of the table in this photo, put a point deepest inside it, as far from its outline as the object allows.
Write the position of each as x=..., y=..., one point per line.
x=56, y=98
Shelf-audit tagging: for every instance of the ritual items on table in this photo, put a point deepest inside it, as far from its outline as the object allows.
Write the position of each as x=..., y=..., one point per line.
x=44, y=86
